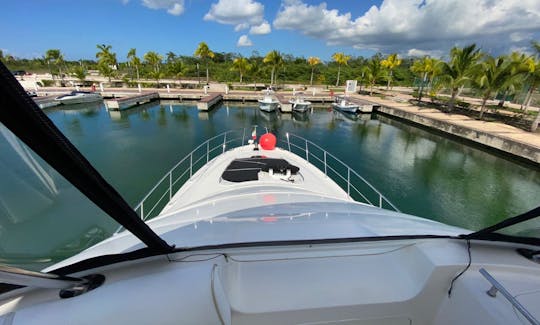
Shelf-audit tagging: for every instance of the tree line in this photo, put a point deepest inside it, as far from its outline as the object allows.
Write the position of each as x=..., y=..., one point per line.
x=467, y=67
x=273, y=68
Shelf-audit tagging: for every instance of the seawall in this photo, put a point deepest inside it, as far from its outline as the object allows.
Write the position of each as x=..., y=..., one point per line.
x=506, y=145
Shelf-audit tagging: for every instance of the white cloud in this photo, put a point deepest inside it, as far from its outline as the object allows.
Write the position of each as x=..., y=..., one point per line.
x=242, y=13
x=240, y=27
x=520, y=36
x=419, y=25
x=125, y=2
x=176, y=10
x=261, y=29
x=244, y=41
x=174, y=7
x=417, y=52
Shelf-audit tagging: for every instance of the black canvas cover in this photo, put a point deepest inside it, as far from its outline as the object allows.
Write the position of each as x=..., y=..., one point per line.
x=242, y=170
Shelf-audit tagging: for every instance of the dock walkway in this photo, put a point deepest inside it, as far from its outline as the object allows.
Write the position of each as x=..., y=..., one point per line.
x=122, y=103
x=46, y=101
x=208, y=102
x=284, y=104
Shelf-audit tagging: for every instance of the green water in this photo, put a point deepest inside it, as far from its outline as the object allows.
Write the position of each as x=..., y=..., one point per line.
x=422, y=173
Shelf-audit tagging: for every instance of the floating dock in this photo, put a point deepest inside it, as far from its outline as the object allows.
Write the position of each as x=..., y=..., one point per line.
x=46, y=101
x=119, y=104
x=365, y=108
x=208, y=102
x=284, y=104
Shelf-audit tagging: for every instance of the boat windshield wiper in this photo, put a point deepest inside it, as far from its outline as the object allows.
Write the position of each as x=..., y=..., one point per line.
x=493, y=232
x=25, y=119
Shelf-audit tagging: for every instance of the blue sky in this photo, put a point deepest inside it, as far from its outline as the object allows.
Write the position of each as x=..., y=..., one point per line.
x=298, y=27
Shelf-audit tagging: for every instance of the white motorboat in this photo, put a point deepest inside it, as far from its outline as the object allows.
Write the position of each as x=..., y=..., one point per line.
x=346, y=106
x=300, y=104
x=78, y=97
x=268, y=103
x=263, y=235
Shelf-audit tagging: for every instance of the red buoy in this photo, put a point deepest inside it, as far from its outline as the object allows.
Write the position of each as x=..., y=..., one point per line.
x=267, y=141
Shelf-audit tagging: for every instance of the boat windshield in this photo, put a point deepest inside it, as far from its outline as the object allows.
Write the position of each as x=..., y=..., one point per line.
x=43, y=217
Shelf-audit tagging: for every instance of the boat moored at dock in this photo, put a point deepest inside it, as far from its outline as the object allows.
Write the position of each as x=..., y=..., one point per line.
x=269, y=102
x=345, y=105
x=300, y=104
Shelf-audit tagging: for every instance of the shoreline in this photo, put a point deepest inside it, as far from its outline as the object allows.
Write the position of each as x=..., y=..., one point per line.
x=501, y=137
x=493, y=135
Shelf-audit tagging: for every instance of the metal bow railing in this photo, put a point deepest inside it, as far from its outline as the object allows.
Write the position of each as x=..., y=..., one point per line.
x=355, y=185
x=184, y=170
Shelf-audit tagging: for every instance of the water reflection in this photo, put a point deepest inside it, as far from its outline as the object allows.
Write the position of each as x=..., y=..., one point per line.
x=43, y=218
x=421, y=172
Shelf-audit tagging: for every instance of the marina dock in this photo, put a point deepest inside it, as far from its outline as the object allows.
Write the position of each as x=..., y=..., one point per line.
x=284, y=104
x=122, y=103
x=46, y=101
x=208, y=102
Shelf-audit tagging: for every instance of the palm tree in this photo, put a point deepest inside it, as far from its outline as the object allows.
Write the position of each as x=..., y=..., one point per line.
x=176, y=69
x=134, y=61
x=255, y=70
x=373, y=71
x=313, y=61
x=390, y=63
x=79, y=72
x=242, y=65
x=460, y=70
x=534, y=79
x=154, y=59
x=495, y=74
x=427, y=69
x=104, y=52
x=204, y=53
x=55, y=57
x=520, y=68
x=341, y=59
x=106, y=60
x=171, y=57
x=275, y=59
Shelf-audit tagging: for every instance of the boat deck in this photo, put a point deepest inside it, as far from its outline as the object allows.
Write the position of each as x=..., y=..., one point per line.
x=208, y=182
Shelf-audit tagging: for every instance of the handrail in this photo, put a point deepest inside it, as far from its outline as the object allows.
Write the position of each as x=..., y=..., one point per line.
x=209, y=151
x=496, y=286
x=326, y=167
x=218, y=144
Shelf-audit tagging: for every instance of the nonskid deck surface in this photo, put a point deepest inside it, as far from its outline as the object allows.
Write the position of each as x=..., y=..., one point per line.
x=208, y=181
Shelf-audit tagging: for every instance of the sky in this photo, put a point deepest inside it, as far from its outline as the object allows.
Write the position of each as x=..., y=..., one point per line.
x=298, y=27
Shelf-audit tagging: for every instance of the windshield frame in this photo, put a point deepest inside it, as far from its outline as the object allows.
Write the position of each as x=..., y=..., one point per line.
x=20, y=114
x=489, y=233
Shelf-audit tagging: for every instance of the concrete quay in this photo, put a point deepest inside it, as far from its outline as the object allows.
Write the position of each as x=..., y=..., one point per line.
x=494, y=135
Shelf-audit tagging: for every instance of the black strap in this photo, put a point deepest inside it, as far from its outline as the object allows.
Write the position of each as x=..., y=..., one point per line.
x=505, y=223
x=26, y=120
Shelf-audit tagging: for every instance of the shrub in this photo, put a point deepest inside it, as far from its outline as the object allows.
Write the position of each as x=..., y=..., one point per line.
x=47, y=82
